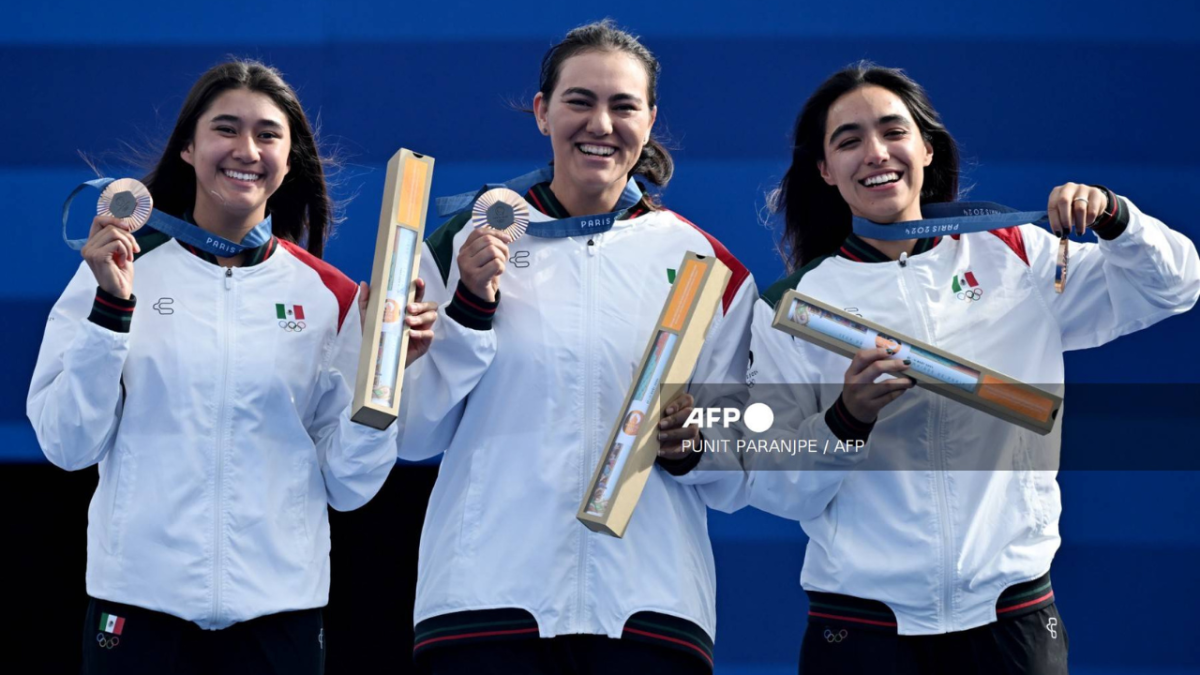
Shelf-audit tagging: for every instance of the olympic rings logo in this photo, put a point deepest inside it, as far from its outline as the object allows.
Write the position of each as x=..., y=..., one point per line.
x=971, y=295
x=832, y=637
x=107, y=643
x=292, y=326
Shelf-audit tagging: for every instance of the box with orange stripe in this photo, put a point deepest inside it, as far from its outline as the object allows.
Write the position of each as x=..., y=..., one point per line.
x=667, y=363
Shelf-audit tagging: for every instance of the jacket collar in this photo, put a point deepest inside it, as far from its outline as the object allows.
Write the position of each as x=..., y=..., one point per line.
x=253, y=257
x=858, y=250
x=542, y=198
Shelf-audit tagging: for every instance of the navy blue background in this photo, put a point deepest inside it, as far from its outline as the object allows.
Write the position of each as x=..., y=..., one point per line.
x=1099, y=92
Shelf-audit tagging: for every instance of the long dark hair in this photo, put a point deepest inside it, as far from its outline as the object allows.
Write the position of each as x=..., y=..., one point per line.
x=301, y=210
x=655, y=163
x=816, y=218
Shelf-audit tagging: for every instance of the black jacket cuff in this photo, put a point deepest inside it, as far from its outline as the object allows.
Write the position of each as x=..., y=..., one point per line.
x=111, y=312
x=471, y=310
x=679, y=467
x=844, y=425
x=1115, y=218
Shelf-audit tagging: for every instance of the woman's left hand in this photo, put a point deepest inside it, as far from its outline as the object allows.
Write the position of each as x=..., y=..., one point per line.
x=1075, y=206
x=672, y=433
x=420, y=317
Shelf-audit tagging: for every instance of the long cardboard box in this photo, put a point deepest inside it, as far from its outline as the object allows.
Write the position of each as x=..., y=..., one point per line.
x=666, y=366
x=397, y=260
x=934, y=369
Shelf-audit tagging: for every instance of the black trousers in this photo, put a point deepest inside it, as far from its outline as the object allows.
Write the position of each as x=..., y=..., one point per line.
x=565, y=655
x=126, y=640
x=851, y=636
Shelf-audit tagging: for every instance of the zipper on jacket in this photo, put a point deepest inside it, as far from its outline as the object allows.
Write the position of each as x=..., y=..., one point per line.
x=218, y=548
x=589, y=408
x=937, y=453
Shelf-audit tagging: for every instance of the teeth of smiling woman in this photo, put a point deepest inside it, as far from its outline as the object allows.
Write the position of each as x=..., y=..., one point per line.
x=601, y=150
x=242, y=176
x=881, y=179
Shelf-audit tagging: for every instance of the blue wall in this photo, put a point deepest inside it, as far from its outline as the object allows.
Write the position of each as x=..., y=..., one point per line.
x=1100, y=92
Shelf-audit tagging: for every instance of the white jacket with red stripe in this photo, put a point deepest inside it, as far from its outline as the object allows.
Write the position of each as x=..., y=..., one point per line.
x=221, y=431
x=944, y=509
x=522, y=410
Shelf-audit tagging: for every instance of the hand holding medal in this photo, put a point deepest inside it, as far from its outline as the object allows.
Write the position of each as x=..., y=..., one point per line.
x=124, y=206
x=501, y=209
x=499, y=217
x=1071, y=206
x=128, y=201
x=1077, y=207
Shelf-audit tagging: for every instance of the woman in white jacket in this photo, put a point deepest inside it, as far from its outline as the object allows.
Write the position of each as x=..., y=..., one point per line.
x=219, y=417
x=930, y=547
x=520, y=392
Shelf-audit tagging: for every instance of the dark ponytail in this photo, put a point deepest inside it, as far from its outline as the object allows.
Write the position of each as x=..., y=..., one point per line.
x=655, y=163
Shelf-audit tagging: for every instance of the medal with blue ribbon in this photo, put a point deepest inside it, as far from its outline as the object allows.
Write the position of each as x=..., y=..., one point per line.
x=540, y=225
x=501, y=209
x=130, y=201
x=955, y=218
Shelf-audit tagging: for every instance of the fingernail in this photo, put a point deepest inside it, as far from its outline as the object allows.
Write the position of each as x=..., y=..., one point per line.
x=671, y=411
x=891, y=351
x=662, y=424
x=908, y=362
x=662, y=437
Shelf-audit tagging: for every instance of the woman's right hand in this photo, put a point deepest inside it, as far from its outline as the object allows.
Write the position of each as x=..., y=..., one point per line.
x=481, y=261
x=109, y=252
x=862, y=395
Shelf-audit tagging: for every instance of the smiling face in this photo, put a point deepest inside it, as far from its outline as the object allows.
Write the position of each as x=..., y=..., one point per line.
x=875, y=155
x=598, y=118
x=240, y=151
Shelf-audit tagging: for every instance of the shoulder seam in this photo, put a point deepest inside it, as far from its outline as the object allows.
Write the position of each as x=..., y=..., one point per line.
x=1011, y=236
x=776, y=290
x=150, y=242
x=441, y=243
x=738, y=271
x=331, y=278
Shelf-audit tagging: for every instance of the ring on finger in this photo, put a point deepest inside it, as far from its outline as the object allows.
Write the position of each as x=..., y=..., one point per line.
x=1080, y=199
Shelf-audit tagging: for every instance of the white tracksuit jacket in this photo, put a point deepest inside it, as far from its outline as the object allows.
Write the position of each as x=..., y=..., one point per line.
x=221, y=431
x=939, y=545
x=522, y=411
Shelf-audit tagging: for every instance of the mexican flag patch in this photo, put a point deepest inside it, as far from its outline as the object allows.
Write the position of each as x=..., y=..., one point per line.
x=111, y=623
x=964, y=282
x=293, y=312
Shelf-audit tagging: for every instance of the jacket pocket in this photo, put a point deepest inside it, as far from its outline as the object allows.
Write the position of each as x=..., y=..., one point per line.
x=299, y=497
x=472, y=517
x=824, y=527
x=115, y=488
x=1032, y=494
